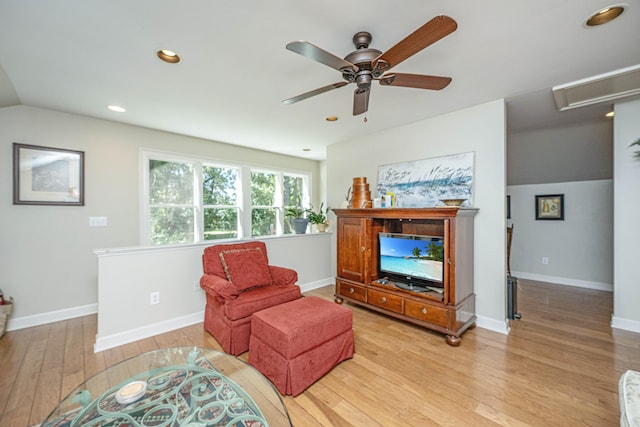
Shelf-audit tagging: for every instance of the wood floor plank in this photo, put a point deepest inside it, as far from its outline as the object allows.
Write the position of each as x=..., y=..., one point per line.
x=559, y=365
x=93, y=362
x=48, y=387
x=18, y=408
x=73, y=366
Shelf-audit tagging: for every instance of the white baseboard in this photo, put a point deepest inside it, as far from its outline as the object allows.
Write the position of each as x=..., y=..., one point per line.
x=626, y=324
x=493, y=325
x=317, y=284
x=104, y=343
x=114, y=340
x=51, y=316
x=564, y=281
x=110, y=341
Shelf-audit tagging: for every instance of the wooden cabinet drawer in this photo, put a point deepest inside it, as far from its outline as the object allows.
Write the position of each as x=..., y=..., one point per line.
x=387, y=301
x=352, y=291
x=426, y=312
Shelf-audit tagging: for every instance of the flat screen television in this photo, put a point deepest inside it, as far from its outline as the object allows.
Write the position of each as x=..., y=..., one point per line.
x=411, y=259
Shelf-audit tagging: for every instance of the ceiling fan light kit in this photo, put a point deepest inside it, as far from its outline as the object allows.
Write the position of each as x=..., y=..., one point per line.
x=365, y=64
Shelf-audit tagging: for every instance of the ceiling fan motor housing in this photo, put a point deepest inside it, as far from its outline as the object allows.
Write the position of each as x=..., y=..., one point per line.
x=362, y=58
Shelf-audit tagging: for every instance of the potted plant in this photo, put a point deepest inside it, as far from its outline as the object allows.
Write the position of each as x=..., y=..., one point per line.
x=299, y=221
x=319, y=217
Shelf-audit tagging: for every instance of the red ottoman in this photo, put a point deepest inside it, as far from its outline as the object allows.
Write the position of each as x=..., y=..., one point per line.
x=294, y=344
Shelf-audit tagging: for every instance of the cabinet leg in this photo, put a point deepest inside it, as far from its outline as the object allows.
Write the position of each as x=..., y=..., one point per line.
x=453, y=341
x=338, y=300
x=471, y=326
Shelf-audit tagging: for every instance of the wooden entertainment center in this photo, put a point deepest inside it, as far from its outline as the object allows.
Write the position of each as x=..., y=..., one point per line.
x=451, y=311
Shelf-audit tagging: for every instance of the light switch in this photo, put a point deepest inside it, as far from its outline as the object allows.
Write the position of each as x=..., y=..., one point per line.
x=97, y=221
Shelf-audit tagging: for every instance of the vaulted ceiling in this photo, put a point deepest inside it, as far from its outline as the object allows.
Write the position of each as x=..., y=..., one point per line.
x=79, y=56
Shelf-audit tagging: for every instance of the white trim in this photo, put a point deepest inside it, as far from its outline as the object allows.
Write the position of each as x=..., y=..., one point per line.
x=114, y=340
x=564, y=281
x=625, y=324
x=51, y=316
x=493, y=324
x=172, y=248
x=121, y=338
x=317, y=284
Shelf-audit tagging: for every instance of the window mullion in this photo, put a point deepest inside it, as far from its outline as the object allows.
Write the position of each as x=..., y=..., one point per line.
x=279, y=201
x=245, y=207
x=198, y=220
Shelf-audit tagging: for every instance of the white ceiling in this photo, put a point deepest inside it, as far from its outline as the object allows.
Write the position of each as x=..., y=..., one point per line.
x=79, y=56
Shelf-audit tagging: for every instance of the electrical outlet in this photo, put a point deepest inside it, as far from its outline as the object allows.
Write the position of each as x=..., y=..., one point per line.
x=154, y=298
x=97, y=221
x=545, y=260
x=195, y=286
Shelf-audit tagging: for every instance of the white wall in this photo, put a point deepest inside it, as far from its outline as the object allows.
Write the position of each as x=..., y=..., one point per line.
x=47, y=261
x=626, y=297
x=126, y=278
x=581, y=152
x=579, y=249
x=480, y=129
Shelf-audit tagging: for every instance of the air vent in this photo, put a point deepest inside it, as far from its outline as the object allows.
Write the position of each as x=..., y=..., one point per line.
x=602, y=88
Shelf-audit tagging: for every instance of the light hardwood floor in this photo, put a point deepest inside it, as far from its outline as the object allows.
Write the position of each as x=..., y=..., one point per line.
x=559, y=366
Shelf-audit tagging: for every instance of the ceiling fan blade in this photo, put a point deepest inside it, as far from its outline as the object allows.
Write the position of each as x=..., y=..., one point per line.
x=429, y=33
x=314, y=92
x=361, y=101
x=418, y=81
x=320, y=55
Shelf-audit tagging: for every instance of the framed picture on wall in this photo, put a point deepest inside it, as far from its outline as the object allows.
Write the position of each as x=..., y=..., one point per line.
x=47, y=176
x=550, y=206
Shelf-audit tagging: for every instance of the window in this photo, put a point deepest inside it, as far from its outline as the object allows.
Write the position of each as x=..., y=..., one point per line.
x=171, y=202
x=193, y=200
x=294, y=195
x=220, y=202
x=264, y=204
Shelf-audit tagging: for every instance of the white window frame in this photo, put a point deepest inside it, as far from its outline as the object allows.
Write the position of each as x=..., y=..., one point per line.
x=243, y=199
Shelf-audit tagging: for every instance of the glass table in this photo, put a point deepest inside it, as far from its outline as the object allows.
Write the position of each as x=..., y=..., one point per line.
x=180, y=386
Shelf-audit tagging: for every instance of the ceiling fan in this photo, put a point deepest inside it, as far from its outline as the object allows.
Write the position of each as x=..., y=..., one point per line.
x=364, y=64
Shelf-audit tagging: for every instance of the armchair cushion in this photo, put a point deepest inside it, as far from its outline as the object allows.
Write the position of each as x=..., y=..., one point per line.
x=283, y=275
x=246, y=268
x=218, y=287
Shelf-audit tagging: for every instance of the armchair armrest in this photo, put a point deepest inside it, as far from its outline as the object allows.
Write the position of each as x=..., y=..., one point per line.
x=213, y=284
x=283, y=275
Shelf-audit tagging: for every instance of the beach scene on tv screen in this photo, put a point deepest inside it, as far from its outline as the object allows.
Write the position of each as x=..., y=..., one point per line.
x=418, y=258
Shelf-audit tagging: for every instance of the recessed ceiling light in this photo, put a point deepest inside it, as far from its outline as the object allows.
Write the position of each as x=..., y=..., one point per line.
x=605, y=15
x=331, y=118
x=116, y=108
x=169, y=56
x=609, y=114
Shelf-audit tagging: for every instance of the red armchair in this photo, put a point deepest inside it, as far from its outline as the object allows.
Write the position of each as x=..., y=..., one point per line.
x=238, y=281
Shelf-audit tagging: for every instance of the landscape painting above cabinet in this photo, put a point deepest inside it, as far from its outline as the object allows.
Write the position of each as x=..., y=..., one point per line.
x=425, y=183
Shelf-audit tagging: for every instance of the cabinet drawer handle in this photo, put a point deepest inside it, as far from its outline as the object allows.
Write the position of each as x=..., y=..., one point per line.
x=362, y=249
x=384, y=299
x=351, y=290
x=424, y=310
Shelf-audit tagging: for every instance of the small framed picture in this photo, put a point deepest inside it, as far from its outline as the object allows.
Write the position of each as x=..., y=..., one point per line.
x=47, y=176
x=550, y=206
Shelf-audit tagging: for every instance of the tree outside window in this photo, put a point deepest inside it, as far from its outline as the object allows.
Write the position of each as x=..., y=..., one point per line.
x=191, y=200
x=220, y=202
x=264, y=212
x=171, y=203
